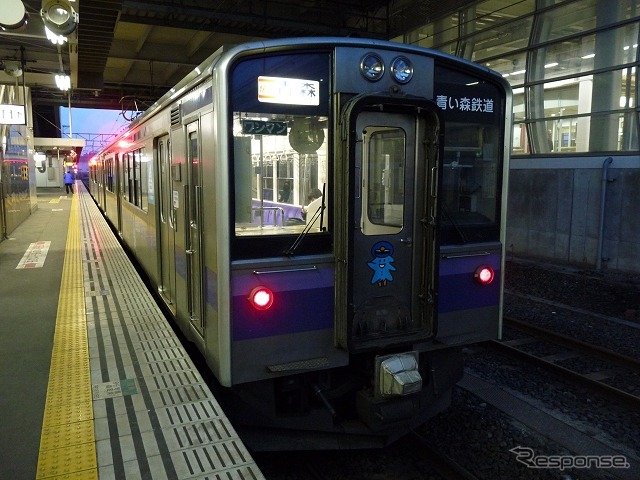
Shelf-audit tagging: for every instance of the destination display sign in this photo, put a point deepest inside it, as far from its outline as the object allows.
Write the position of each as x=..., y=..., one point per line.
x=289, y=91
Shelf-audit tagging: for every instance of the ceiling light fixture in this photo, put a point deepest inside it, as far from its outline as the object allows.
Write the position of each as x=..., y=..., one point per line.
x=59, y=18
x=53, y=38
x=12, y=68
x=13, y=15
x=63, y=82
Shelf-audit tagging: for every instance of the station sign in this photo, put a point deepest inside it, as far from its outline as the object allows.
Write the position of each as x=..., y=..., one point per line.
x=12, y=115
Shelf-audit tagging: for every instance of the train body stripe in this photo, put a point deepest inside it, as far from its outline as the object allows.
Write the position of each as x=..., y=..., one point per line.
x=293, y=311
x=303, y=301
x=459, y=291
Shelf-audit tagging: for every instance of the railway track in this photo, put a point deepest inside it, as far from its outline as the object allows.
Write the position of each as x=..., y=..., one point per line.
x=589, y=365
x=413, y=456
x=441, y=464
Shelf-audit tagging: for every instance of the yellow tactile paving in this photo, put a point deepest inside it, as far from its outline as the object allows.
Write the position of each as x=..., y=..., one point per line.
x=67, y=443
x=66, y=460
x=67, y=413
x=57, y=436
x=69, y=394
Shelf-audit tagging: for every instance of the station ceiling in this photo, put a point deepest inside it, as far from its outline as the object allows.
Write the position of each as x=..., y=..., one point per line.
x=125, y=54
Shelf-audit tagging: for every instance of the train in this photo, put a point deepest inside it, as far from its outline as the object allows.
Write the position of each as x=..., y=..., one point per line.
x=324, y=219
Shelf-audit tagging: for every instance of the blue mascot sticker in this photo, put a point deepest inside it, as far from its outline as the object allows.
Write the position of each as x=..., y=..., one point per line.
x=381, y=264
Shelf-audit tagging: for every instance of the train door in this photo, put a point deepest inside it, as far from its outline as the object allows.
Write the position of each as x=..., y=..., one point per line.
x=120, y=182
x=392, y=280
x=3, y=218
x=103, y=171
x=166, y=222
x=193, y=231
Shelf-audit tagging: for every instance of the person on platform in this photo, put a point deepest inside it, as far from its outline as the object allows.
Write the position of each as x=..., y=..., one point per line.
x=68, y=181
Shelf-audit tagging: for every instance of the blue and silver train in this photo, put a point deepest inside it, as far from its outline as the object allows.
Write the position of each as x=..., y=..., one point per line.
x=324, y=218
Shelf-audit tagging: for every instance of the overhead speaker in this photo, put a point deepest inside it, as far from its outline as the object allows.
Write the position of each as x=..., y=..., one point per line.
x=12, y=68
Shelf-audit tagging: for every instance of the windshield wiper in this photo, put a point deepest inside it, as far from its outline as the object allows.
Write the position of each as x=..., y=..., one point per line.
x=319, y=213
x=454, y=223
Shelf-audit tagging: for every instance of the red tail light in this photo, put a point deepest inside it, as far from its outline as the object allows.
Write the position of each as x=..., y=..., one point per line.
x=484, y=275
x=261, y=298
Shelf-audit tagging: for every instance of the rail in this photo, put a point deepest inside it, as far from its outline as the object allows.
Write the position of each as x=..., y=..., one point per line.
x=579, y=349
x=444, y=466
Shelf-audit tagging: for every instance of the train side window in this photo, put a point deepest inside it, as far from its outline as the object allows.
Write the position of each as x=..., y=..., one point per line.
x=127, y=175
x=108, y=167
x=136, y=176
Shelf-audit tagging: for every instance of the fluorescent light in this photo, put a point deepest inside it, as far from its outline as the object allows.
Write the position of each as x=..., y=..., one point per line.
x=560, y=83
x=552, y=64
x=63, y=82
x=519, y=72
x=55, y=39
x=591, y=55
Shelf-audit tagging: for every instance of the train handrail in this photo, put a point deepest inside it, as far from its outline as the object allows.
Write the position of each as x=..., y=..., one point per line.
x=275, y=217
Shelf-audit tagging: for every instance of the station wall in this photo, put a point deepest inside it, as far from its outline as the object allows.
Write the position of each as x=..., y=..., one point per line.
x=556, y=211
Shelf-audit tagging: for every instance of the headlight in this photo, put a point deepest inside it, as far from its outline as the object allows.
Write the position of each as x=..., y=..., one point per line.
x=402, y=69
x=372, y=67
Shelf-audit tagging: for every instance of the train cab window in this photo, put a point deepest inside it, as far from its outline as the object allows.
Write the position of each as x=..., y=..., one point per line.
x=471, y=179
x=473, y=150
x=279, y=107
x=280, y=164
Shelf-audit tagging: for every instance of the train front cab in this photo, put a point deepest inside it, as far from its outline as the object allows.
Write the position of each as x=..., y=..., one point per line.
x=473, y=214
x=361, y=287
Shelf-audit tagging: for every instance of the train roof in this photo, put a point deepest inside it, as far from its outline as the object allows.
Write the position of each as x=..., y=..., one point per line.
x=226, y=54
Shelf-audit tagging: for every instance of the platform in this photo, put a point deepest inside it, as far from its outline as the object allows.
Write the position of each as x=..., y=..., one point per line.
x=95, y=382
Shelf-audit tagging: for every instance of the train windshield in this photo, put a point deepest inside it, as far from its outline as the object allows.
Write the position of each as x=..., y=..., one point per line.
x=281, y=166
x=471, y=179
x=473, y=148
x=280, y=121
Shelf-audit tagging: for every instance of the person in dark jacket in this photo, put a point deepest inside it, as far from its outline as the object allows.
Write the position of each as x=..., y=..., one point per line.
x=68, y=181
